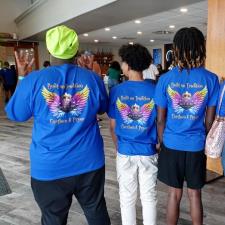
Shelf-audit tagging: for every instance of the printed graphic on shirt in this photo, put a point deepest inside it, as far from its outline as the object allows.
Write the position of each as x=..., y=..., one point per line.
x=135, y=112
x=187, y=101
x=67, y=103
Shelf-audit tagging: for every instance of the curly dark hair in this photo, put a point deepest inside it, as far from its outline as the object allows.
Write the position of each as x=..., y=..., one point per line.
x=189, y=48
x=115, y=65
x=136, y=56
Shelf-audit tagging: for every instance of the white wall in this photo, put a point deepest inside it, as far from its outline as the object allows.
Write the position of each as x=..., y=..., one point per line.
x=9, y=10
x=53, y=12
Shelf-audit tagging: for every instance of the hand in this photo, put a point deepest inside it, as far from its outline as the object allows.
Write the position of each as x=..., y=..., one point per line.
x=86, y=61
x=24, y=64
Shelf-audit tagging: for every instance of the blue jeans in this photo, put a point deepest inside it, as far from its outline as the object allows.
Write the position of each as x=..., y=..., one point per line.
x=223, y=159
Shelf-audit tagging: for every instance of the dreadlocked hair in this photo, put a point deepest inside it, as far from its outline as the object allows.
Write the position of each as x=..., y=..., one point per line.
x=189, y=48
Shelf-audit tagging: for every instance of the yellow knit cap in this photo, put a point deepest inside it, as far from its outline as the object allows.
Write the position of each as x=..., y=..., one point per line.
x=62, y=42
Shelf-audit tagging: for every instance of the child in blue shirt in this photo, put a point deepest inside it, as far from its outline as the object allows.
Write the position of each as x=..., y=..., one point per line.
x=186, y=99
x=133, y=129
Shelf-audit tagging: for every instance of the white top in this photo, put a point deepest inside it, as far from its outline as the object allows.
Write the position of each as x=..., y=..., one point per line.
x=151, y=72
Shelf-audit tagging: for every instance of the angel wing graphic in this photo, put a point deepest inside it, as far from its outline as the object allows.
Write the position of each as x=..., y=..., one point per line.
x=198, y=99
x=124, y=110
x=60, y=105
x=146, y=110
x=135, y=112
x=176, y=99
x=79, y=101
x=186, y=101
x=54, y=102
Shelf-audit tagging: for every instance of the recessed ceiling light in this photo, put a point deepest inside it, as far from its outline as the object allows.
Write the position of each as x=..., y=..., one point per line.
x=172, y=26
x=85, y=35
x=131, y=43
x=96, y=41
x=139, y=32
x=152, y=40
x=137, y=21
x=107, y=29
x=114, y=37
x=183, y=10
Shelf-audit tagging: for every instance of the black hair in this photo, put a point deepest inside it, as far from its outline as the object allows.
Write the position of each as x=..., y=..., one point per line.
x=6, y=64
x=136, y=56
x=189, y=48
x=115, y=65
x=46, y=63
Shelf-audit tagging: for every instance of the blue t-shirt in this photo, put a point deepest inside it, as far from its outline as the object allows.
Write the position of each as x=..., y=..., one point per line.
x=222, y=108
x=133, y=108
x=186, y=96
x=9, y=76
x=64, y=101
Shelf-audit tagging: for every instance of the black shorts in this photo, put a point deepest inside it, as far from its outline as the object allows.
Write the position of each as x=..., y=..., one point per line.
x=175, y=167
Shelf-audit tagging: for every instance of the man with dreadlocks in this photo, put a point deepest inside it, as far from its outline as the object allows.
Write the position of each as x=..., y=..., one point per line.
x=186, y=98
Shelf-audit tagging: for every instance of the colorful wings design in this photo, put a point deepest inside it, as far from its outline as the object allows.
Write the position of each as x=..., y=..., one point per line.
x=79, y=101
x=189, y=102
x=198, y=99
x=60, y=105
x=124, y=110
x=53, y=101
x=146, y=111
x=176, y=99
x=129, y=114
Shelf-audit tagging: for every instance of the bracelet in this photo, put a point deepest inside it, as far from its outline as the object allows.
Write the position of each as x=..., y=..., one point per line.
x=21, y=77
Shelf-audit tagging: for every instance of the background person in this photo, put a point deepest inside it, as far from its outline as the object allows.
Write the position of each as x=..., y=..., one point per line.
x=151, y=73
x=114, y=74
x=9, y=78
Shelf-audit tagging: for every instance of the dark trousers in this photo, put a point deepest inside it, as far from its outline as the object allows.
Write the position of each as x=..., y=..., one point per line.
x=55, y=197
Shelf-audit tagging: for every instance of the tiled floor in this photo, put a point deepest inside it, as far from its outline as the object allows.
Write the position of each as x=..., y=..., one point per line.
x=19, y=208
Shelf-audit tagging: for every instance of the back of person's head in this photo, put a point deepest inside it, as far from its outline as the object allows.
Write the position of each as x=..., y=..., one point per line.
x=115, y=65
x=159, y=66
x=136, y=56
x=46, y=64
x=13, y=67
x=6, y=64
x=62, y=42
x=189, y=48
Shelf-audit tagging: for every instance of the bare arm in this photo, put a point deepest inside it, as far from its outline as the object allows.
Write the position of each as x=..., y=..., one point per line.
x=161, y=121
x=209, y=117
x=112, y=131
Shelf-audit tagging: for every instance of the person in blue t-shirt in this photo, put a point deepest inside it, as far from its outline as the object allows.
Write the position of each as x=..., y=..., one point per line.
x=221, y=113
x=186, y=99
x=66, y=151
x=9, y=78
x=133, y=128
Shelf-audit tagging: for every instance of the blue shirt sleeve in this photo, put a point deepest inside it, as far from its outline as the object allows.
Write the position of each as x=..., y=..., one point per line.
x=160, y=94
x=221, y=112
x=112, y=109
x=19, y=108
x=213, y=93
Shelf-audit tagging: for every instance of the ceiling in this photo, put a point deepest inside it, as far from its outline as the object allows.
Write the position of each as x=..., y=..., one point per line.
x=119, y=16
x=125, y=32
